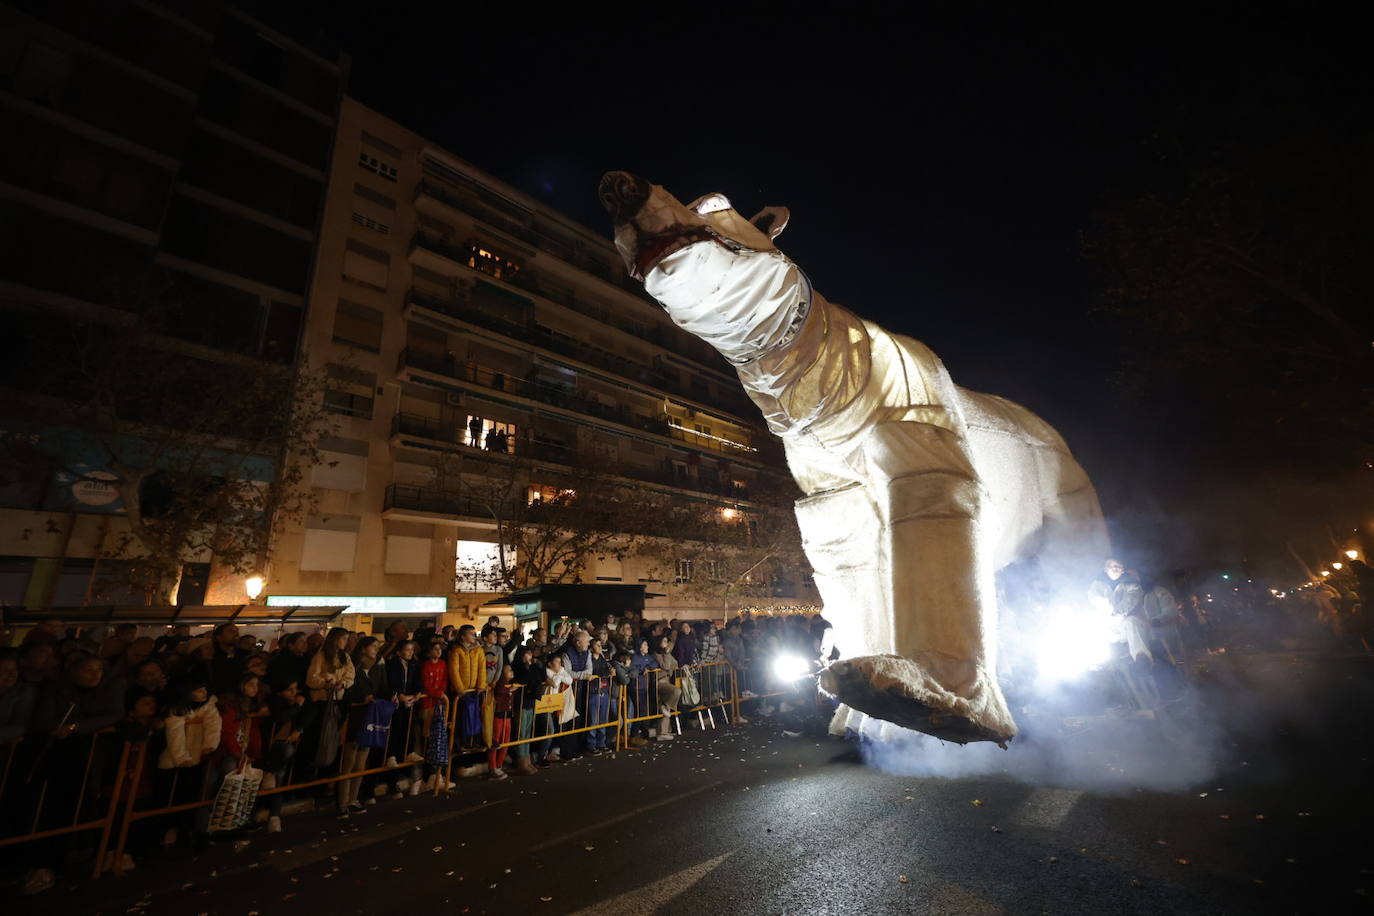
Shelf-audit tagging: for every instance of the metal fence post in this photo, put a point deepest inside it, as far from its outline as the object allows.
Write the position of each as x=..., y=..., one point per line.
x=128, y=810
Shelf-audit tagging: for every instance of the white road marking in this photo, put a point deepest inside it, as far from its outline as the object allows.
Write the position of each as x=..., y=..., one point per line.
x=649, y=899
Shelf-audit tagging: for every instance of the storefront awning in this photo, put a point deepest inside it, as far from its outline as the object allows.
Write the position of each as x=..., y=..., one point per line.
x=574, y=600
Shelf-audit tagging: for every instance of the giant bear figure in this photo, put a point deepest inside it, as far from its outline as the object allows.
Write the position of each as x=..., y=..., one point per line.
x=916, y=491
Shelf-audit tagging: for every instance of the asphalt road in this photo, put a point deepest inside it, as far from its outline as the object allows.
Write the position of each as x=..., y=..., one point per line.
x=749, y=820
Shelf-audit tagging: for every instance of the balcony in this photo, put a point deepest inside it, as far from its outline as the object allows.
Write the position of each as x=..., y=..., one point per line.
x=559, y=248
x=532, y=333
x=444, y=502
x=401, y=499
x=484, y=377
x=446, y=257
x=569, y=399
x=536, y=447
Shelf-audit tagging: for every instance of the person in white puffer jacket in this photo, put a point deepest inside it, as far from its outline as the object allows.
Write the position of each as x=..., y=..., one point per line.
x=193, y=728
x=193, y=732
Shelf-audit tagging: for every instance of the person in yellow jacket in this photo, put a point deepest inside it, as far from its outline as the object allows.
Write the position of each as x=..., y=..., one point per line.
x=467, y=674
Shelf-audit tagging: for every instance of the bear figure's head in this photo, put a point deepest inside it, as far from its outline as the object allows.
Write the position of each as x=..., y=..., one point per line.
x=711, y=269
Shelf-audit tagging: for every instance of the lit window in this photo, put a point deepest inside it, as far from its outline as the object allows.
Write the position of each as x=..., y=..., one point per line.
x=491, y=435
x=477, y=567
x=491, y=263
x=548, y=495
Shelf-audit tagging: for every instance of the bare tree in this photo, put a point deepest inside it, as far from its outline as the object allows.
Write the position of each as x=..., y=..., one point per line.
x=550, y=523
x=724, y=554
x=204, y=454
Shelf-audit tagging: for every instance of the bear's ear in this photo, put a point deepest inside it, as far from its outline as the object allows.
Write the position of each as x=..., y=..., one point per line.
x=710, y=203
x=771, y=221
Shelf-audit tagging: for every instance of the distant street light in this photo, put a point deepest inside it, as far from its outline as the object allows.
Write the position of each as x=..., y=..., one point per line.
x=1326, y=572
x=1338, y=566
x=253, y=586
x=1352, y=554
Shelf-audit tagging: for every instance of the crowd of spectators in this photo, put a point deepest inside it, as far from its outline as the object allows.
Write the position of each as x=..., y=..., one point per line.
x=313, y=708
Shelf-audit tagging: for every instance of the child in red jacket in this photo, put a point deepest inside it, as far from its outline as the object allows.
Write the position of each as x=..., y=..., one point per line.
x=434, y=701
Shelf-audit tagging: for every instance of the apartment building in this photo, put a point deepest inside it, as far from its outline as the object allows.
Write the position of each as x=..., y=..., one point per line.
x=463, y=322
x=163, y=166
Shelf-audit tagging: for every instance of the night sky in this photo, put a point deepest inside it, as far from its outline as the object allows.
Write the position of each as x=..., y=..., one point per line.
x=938, y=172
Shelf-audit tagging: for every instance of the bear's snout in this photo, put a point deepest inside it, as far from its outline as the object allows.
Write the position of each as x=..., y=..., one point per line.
x=622, y=194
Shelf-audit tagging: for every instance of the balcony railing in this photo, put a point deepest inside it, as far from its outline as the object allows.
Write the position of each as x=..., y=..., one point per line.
x=536, y=447
x=463, y=505
x=464, y=309
x=530, y=279
x=559, y=248
x=445, y=502
x=558, y=396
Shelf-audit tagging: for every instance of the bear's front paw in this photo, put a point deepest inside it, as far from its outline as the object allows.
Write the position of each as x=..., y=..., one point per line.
x=897, y=690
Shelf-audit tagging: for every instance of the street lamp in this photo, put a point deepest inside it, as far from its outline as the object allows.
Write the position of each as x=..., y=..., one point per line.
x=1352, y=554
x=253, y=586
x=1326, y=572
x=1338, y=566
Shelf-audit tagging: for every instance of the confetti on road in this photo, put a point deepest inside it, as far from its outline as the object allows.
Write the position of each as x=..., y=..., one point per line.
x=977, y=803
x=904, y=879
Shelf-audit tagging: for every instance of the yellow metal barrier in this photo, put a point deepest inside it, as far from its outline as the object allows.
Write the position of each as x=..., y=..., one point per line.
x=717, y=682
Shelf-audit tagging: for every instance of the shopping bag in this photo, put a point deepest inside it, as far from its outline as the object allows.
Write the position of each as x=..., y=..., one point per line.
x=236, y=798
x=327, y=751
x=548, y=703
x=691, y=696
x=375, y=727
x=436, y=745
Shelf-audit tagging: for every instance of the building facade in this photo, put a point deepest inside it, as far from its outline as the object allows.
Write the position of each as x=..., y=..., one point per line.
x=472, y=334
x=164, y=168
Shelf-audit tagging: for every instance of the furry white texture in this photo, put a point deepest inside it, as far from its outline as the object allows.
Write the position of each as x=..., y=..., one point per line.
x=917, y=490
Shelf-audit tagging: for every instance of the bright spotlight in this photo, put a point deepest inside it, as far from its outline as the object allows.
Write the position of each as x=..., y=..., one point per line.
x=253, y=585
x=1072, y=641
x=790, y=667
